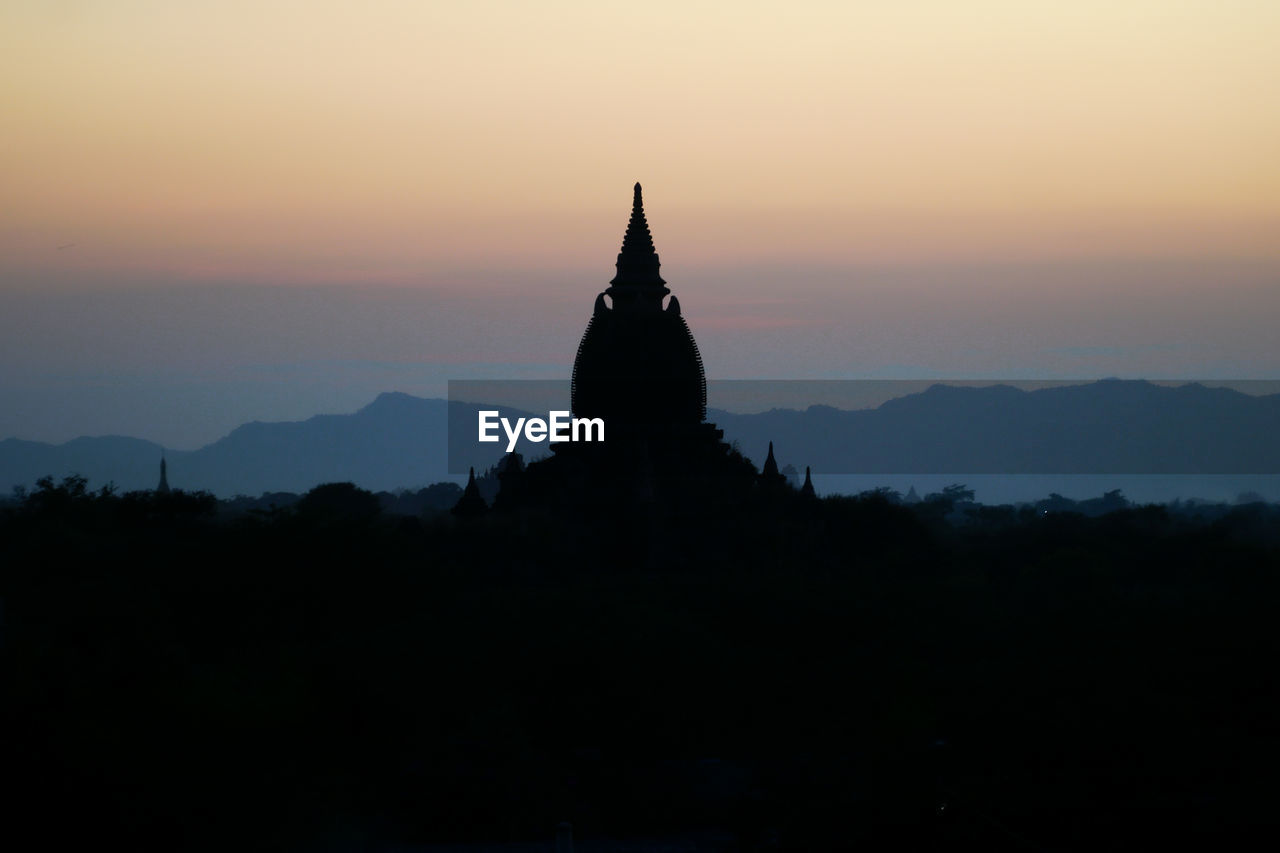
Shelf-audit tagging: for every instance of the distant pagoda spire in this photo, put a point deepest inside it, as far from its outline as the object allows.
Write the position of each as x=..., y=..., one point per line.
x=771, y=479
x=770, y=469
x=770, y=464
x=807, y=490
x=471, y=503
x=638, y=261
x=163, y=488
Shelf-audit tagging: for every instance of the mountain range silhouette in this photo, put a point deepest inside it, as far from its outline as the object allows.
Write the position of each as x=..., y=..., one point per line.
x=398, y=440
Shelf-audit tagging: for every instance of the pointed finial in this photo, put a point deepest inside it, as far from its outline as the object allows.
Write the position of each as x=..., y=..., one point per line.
x=638, y=261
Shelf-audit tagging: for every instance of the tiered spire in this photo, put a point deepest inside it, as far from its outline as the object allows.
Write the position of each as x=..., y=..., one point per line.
x=638, y=261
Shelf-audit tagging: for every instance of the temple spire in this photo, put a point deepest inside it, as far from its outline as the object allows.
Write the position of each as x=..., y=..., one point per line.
x=771, y=478
x=807, y=489
x=770, y=469
x=638, y=261
x=471, y=503
x=163, y=488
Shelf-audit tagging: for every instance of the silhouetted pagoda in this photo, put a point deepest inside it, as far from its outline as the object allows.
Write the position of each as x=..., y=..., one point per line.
x=807, y=490
x=638, y=368
x=770, y=476
x=471, y=503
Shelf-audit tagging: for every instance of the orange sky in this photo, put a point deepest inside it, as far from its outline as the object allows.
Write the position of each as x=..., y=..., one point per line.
x=376, y=142
x=270, y=209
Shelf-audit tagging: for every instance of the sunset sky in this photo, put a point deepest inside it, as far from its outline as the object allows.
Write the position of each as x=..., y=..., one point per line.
x=225, y=211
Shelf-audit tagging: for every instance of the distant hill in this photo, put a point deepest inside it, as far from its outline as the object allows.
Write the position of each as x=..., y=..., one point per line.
x=1107, y=427
x=109, y=458
x=396, y=441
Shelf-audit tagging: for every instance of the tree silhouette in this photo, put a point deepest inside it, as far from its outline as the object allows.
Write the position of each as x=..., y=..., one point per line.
x=331, y=503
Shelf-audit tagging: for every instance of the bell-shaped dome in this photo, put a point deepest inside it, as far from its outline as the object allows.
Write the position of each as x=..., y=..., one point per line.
x=638, y=363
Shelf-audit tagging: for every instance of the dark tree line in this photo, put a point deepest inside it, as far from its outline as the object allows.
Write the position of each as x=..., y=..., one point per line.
x=760, y=672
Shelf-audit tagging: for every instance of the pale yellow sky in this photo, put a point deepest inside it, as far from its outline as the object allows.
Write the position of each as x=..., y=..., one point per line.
x=326, y=141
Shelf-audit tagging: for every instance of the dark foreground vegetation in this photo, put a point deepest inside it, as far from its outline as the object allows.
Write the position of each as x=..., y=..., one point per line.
x=770, y=673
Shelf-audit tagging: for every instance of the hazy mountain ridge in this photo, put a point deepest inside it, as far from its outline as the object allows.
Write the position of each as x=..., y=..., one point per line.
x=399, y=440
x=1111, y=426
x=108, y=458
